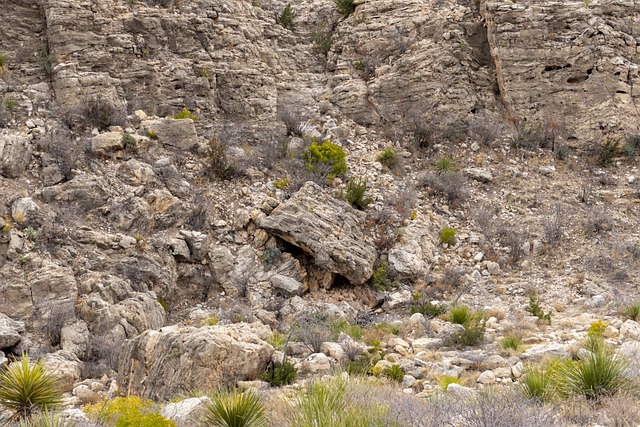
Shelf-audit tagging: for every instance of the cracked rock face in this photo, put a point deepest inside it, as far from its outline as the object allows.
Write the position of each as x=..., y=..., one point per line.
x=326, y=228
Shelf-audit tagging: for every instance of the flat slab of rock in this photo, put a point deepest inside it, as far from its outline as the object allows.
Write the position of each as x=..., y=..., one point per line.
x=10, y=331
x=179, y=133
x=330, y=230
x=160, y=364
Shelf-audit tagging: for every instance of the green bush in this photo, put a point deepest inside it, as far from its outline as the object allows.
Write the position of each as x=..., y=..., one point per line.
x=129, y=141
x=185, y=114
x=448, y=236
x=344, y=326
x=286, y=17
x=381, y=279
x=527, y=137
x=459, y=315
x=421, y=304
x=322, y=37
x=356, y=194
x=632, y=311
x=445, y=380
x=607, y=152
x=474, y=327
x=235, y=409
x=326, y=154
x=445, y=165
x=538, y=384
x=4, y=62
x=47, y=62
x=279, y=374
x=535, y=309
x=345, y=7
x=360, y=366
x=128, y=411
x=26, y=388
x=394, y=372
x=281, y=184
x=510, y=342
x=219, y=165
x=388, y=157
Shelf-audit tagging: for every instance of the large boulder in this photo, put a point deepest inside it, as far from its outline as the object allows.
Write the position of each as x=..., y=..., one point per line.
x=330, y=230
x=10, y=331
x=176, y=133
x=161, y=364
x=15, y=155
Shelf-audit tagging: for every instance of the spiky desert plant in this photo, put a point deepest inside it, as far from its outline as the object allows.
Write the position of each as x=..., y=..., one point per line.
x=25, y=388
x=47, y=419
x=510, y=342
x=459, y=315
x=537, y=384
x=235, y=409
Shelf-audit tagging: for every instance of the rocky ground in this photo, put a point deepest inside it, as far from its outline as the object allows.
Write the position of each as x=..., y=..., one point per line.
x=150, y=250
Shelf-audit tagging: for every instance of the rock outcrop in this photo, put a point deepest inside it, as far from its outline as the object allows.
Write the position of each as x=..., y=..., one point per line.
x=161, y=364
x=328, y=229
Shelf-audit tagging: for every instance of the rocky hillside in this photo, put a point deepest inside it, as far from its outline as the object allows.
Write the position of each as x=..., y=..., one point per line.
x=172, y=219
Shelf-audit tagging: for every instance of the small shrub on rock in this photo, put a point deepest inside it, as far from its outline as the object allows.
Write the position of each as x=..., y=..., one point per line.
x=322, y=37
x=219, y=164
x=474, y=327
x=448, y=236
x=421, y=304
x=450, y=185
x=459, y=315
x=345, y=7
x=381, y=279
x=286, y=17
x=510, y=342
x=129, y=142
x=394, y=372
x=632, y=311
x=445, y=165
x=535, y=309
x=313, y=331
x=325, y=154
x=344, y=326
x=279, y=374
x=356, y=194
x=388, y=157
x=185, y=114
x=445, y=380
x=631, y=147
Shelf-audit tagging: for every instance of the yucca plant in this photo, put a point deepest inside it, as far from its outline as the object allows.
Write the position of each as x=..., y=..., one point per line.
x=598, y=374
x=235, y=409
x=632, y=311
x=25, y=388
x=459, y=315
x=394, y=372
x=537, y=384
x=445, y=380
x=510, y=342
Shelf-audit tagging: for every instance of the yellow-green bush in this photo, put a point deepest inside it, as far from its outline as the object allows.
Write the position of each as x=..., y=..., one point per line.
x=328, y=155
x=128, y=412
x=185, y=114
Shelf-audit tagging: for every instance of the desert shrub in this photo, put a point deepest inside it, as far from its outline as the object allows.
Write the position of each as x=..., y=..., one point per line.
x=128, y=411
x=322, y=36
x=514, y=240
x=444, y=165
x=344, y=326
x=561, y=151
x=448, y=236
x=280, y=373
x=4, y=62
x=421, y=304
x=394, y=372
x=423, y=134
x=632, y=311
x=360, y=365
x=449, y=185
x=484, y=130
x=539, y=383
x=527, y=138
x=445, y=380
x=535, y=309
x=185, y=114
x=325, y=154
x=47, y=62
x=511, y=342
x=459, y=315
x=388, y=157
x=474, y=327
x=356, y=194
x=599, y=220
x=60, y=315
x=381, y=279
x=607, y=152
x=27, y=387
x=210, y=320
x=234, y=409
x=451, y=278
x=270, y=257
x=10, y=103
x=293, y=118
x=100, y=113
x=345, y=7
x=129, y=142
x=387, y=328
x=553, y=225
x=313, y=331
x=277, y=340
x=599, y=374
x=218, y=163
x=631, y=147
x=286, y=17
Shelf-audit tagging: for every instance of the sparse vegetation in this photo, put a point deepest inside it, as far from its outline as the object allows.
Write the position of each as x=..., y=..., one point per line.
x=356, y=194
x=394, y=372
x=445, y=380
x=344, y=326
x=279, y=374
x=219, y=165
x=444, y=165
x=322, y=37
x=128, y=411
x=607, y=152
x=381, y=279
x=129, y=142
x=47, y=62
x=345, y=7
x=281, y=184
x=286, y=17
x=210, y=320
x=449, y=185
x=473, y=323
x=185, y=114
x=421, y=304
x=632, y=311
x=325, y=154
x=26, y=387
x=535, y=309
x=448, y=236
x=388, y=157
x=511, y=342
x=4, y=63
x=423, y=135
x=235, y=409
x=10, y=103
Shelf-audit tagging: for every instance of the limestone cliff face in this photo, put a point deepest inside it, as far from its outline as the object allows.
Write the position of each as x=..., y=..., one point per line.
x=389, y=62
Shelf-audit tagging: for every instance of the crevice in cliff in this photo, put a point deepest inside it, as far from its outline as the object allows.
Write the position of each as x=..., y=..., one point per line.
x=500, y=90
